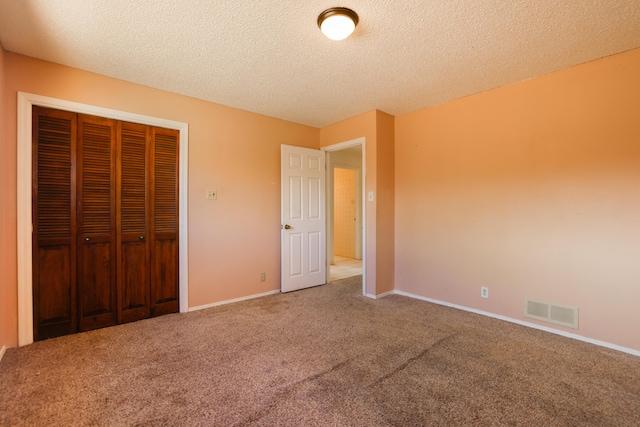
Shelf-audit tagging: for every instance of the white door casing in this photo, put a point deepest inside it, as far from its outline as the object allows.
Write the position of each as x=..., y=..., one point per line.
x=303, y=218
x=363, y=214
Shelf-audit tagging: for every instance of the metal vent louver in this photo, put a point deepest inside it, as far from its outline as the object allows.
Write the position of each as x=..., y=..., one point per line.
x=558, y=314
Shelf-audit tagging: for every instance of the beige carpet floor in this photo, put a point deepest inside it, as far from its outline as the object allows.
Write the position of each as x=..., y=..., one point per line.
x=325, y=356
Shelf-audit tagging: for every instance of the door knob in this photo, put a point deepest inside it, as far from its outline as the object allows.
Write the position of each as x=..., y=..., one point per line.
x=141, y=237
x=287, y=227
x=87, y=239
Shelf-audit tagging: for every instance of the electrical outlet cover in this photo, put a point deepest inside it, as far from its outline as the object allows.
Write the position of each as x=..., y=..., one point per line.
x=484, y=292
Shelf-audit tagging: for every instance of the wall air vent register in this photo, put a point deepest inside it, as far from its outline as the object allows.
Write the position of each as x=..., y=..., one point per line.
x=558, y=314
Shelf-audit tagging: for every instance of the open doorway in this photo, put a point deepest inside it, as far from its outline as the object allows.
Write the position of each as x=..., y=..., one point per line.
x=345, y=212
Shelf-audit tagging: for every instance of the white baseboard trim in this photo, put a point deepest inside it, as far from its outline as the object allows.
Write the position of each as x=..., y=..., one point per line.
x=381, y=295
x=372, y=296
x=2, y=350
x=523, y=323
x=230, y=301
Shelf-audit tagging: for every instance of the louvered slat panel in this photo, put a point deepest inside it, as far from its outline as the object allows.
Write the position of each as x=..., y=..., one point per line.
x=96, y=178
x=166, y=179
x=96, y=190
x=133, y=249
x=54, y=177
x=133, y=176
x=54, y=261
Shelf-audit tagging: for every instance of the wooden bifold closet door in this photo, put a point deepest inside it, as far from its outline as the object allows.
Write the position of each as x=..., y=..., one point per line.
x=105, y=218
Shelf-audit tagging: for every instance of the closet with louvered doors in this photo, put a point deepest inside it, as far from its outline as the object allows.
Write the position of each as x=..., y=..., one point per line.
x=105, y=222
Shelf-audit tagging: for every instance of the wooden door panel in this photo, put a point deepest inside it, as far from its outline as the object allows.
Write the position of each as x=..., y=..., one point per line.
x=134, y=287
x=164, y=220
x=95, y=281
x=96, y=217
x=133, y=200
x=165, y=277
x=54, y=223
x=56, y=293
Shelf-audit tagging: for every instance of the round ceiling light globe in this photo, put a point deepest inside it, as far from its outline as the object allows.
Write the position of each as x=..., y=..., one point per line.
x=337, y=27
x=337, y=23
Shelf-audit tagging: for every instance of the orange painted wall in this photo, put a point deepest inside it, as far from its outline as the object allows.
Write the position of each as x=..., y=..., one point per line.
x=7, y=217
x=385, y=226
x=532, y=190
x=377, y=128
x=231, y=240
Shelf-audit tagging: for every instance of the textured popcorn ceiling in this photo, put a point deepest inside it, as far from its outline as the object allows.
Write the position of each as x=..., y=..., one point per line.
x=268, y=56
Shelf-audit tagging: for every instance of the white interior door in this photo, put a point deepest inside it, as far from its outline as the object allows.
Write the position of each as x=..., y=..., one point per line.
x=303, y=226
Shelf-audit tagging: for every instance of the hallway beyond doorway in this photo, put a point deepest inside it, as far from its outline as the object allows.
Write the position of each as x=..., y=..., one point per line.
x=344, y=267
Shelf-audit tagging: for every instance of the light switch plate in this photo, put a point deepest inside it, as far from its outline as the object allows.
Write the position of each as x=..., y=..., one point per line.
x=370, y=196
x=212, y=195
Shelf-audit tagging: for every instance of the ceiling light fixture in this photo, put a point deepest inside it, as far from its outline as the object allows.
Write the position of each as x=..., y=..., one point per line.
x=338, y=23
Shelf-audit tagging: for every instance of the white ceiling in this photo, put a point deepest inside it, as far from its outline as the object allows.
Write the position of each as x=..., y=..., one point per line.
x=268, y=56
